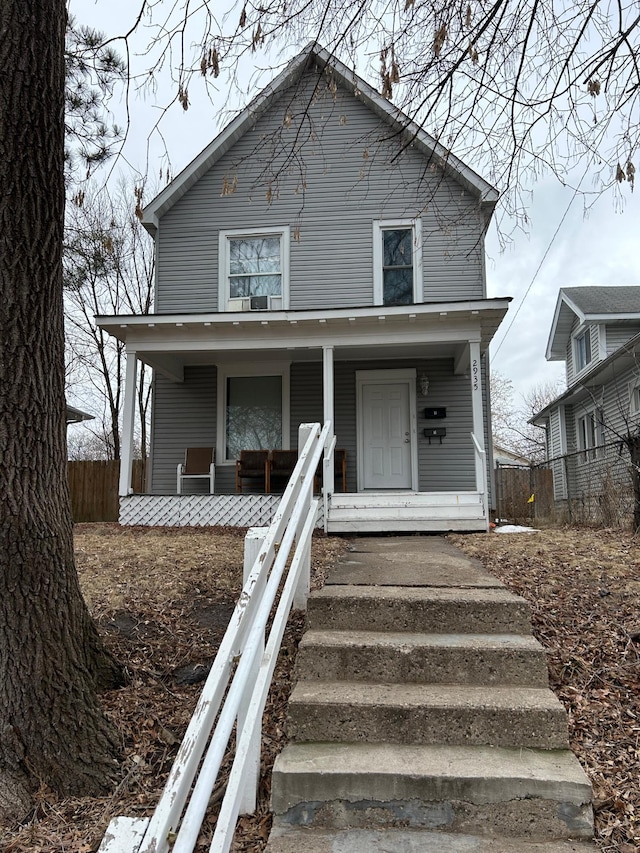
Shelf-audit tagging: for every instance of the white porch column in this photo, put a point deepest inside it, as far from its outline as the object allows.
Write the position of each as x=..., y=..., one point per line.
x=328, y=413
x=128, y=415
x=475, y=371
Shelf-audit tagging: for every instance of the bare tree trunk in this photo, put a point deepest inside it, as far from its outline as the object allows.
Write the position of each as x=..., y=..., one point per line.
x=51, y=658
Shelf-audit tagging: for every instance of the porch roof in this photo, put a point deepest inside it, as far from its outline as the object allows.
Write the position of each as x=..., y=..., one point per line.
x=168, y=342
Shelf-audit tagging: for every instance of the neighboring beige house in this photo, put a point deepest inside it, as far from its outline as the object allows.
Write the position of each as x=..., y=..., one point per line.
x=596, y=332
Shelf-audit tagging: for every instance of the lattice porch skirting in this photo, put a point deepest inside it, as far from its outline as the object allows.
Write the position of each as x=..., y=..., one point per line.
x=200, y=510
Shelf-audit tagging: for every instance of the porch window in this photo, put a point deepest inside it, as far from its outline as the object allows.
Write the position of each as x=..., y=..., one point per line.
x=253, y=270
x=253, y=414
x=590, y=435
x=583, y=350
x=397, y=258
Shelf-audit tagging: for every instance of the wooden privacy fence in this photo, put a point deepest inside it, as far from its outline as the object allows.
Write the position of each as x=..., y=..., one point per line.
x=524, y=493
x=94, y=488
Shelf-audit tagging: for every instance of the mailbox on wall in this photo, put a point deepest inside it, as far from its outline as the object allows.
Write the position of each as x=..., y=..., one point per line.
x=435, y=432
x=435, y=413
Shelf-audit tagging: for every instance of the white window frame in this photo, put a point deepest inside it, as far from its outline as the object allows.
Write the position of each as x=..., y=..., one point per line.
x=224, y=261
x=381, y=225
x=585, y=435
x=634, y=398
x=264, y=368
x=579, y=336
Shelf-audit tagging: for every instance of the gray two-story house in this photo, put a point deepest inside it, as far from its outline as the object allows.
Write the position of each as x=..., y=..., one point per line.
x=322, y=260
x=596, y=332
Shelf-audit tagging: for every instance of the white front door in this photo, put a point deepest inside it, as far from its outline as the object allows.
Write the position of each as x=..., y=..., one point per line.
x=385, y=434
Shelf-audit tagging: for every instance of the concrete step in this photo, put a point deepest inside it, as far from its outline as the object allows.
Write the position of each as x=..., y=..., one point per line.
x=541, y=794
x=426, y=714
x=419, y=609
x=422, y=658
x=410, y=841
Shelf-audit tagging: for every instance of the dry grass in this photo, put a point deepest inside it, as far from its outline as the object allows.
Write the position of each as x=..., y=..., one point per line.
x=162, y=598
x=584, y=589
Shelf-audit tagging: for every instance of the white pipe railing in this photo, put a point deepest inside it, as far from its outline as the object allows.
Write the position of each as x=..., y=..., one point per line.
x=243, y=654
x=485, y=490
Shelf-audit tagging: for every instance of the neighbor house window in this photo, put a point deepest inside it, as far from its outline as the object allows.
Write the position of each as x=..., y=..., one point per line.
x=397, y=262
x=634, y=398
x=583, y=350
x=253, y=270
x=590, y=435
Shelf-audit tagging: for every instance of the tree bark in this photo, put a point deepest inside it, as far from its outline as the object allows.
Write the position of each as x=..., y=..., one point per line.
x=51, y=658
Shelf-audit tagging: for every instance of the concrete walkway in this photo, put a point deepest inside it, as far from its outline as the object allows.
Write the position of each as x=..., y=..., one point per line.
x=422, y=718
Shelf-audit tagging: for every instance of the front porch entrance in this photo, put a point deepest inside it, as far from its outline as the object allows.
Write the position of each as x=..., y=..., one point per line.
x=386, y=414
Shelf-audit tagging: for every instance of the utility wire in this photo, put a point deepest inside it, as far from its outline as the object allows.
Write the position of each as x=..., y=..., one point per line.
x=544, y=257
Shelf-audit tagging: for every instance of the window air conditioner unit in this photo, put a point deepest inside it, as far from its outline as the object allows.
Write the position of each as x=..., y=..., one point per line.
x=259, y=303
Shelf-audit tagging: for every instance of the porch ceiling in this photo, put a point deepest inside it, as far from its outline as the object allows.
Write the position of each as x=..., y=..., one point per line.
x=171, y=341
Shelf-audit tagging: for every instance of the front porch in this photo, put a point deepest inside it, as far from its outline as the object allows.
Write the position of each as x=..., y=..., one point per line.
x=368, y=512
x=403, y=393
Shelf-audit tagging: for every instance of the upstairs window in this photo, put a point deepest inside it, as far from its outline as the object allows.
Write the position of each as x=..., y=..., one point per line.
x=583, y=350
x=253, y=270
x=397, y=260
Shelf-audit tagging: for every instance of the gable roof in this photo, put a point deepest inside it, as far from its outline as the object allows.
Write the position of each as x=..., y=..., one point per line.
x=593, y=304
x=602, y=372
x=313, y=54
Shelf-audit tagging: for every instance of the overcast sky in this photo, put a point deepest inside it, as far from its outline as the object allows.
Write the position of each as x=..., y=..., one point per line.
x=598, y=248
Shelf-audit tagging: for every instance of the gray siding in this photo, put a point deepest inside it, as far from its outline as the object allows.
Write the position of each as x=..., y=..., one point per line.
x=342, y=178
x=617, y=336
x=184, y=415
x=555, y=451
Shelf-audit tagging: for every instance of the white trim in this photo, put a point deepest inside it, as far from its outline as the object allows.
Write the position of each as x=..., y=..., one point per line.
x=380, y=225
x=589, y=452
x=602, y=341
x=128, y=420
x=223, y=261
x=257, y=368
x=475, y=376
x=634, y=398
x=576, y=335
x=392, y=377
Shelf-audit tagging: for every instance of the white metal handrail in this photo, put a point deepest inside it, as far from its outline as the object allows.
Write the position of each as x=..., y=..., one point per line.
x=242, y=653
x=481, y=453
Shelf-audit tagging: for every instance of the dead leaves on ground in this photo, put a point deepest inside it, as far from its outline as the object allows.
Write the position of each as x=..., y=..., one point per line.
x=162, y=598
x=584, y=590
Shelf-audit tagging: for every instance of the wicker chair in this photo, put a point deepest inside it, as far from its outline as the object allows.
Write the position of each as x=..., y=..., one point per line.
x=253, y=465
x=281, y=465
x=339, y=470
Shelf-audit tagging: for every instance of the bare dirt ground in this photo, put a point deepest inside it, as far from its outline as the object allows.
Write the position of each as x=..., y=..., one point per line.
x=162, y=598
